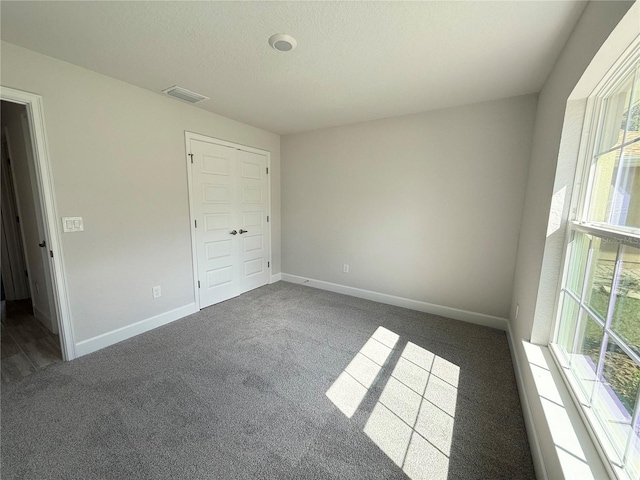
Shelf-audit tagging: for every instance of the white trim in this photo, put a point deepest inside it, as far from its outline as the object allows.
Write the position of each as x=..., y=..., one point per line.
x=42, y=318
x=115, y=336
x=224, y=143
x=276, y=277
x=188, y=136
x=628, y=236
x=192, y=216
x=529, y=420
x=455, y=313
x=44, y=178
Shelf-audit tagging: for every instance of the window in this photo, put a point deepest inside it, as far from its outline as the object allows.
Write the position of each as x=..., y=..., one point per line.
x=597, y=335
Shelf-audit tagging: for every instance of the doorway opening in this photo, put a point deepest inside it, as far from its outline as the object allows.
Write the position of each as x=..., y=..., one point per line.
x=29, y=324
x=35, y=322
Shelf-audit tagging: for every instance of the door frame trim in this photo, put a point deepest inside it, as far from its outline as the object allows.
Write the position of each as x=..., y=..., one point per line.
x=45, y=186
x=188, y=136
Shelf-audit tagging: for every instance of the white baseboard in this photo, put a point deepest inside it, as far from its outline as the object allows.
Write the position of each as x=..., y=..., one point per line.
x=455, y=313
x=529, y=422
x=276, y=277
x=106, y=339
x=44, y=319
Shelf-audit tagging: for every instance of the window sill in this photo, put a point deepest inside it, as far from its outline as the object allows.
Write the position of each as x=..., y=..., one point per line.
x=561, y=443
x=610, y=408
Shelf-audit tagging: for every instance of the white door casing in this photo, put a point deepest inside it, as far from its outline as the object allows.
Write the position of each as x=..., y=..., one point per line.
x=229, y=200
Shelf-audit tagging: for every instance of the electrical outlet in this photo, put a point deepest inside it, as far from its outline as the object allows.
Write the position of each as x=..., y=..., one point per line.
x=157, y=292
x=517, y=309
x=345, y=268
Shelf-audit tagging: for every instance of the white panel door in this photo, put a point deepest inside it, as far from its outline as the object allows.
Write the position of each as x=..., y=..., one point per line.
x=216, y=218
x=253, y=196
x=229, y=195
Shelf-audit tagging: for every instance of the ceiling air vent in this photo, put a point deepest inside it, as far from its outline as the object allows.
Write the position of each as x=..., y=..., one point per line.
x=184, y=94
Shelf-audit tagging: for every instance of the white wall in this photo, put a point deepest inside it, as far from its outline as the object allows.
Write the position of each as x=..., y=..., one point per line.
x=118, y=158
x=22, y=172
x=425, y=206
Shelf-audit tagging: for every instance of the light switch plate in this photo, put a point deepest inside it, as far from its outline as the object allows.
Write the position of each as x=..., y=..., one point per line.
x=72, y=224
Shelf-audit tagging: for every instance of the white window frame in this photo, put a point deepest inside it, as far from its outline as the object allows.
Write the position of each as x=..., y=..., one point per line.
x=624, y=236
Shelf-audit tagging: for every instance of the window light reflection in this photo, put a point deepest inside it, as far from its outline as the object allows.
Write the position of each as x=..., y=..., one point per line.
x=351, y=386
x=412, y=422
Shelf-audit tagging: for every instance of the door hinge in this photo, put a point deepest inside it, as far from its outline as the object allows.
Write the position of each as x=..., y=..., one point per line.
x=198, y=283
x=196, y=222
x=267, y=170
x=267, y=218
x=51, y=253
x=268, y=264
x=17, y=219
x=191, y=155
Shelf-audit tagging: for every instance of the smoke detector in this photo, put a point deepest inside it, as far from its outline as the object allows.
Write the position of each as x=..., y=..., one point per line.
x=282, y=42
x=184, y=94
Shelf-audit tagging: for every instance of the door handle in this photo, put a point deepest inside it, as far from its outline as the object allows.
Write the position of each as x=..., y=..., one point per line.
x=43, y=244
x=242, y=231
x=233, y=232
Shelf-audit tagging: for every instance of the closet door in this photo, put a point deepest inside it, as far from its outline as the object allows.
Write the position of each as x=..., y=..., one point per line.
x=229, y=197
x=216, y=218
x=253, y=197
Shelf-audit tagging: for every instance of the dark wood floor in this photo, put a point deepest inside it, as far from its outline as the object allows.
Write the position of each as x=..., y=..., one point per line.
x=27, y=345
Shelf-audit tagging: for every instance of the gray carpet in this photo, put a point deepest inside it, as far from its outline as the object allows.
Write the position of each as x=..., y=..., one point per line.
x=238, y=390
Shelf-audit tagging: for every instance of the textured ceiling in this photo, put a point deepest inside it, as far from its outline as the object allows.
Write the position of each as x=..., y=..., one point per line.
x=355, y=61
